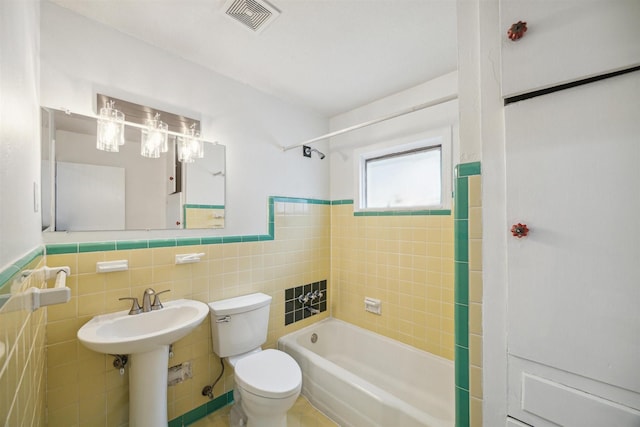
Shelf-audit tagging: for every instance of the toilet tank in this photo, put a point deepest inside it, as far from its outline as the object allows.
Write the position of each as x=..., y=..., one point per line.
x=239, y=324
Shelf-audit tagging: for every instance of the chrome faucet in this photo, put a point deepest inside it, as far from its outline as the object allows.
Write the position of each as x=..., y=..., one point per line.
x=146, y=300
x=157, y=304
x=147, y=306
x=135, y=307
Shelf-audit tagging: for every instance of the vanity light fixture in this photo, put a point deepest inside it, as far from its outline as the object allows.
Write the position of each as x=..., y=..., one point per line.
x=190, y=146
x=110, y=135
x=155, y=133
x=154, y=138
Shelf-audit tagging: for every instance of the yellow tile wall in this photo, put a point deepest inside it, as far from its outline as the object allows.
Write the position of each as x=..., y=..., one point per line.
x=204, y=218
x=22, y=366
x=475, y=301
x=84, y=389
x=407, y=263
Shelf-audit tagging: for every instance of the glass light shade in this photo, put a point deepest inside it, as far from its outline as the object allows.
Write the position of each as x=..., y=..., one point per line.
x=155, y=139
x=190, y=147
x=110, y=135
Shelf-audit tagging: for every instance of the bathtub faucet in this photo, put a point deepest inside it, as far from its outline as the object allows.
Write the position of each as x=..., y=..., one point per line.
x=312, y=310
x=305, y=298
x=309, y=296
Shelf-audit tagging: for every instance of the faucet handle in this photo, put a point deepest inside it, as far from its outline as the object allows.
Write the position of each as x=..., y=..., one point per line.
x=135, y=307
x=157, y=305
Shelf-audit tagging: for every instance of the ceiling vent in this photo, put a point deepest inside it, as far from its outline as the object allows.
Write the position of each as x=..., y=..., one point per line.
x=256, y=15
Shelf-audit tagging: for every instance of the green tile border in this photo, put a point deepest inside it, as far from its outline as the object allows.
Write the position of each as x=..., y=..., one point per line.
x=62, y=248
x=194, y=206
x=461, y=327
x=71, y=248
x=202, y=411
x=282, y=199
x=162, y=243
x=461, y=290
x=461, y=207
x=462, y=375
x=461, y=282
x=132, y=244
x=8, y=273
x=468, y=169
x=188, y=241
x=421, y=212
x=96, y=247
x=461, y=240
x=462, y=407
x=397, y=212
x=214, y=240
x=342, y=202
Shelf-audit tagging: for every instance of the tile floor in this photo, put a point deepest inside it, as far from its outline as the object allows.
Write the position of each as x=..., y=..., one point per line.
x=303, y=414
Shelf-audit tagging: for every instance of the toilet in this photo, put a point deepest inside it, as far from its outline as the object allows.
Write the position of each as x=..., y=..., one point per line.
x=268, y=382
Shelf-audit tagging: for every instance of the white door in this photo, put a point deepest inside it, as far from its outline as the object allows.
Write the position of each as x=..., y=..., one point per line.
x=573, y=176
x=89, y=197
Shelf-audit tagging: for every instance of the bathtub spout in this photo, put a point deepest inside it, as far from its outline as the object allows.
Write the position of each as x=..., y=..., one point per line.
x=312, y=310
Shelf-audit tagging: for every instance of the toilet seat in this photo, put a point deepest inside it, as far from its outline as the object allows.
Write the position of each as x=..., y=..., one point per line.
x=270, y=373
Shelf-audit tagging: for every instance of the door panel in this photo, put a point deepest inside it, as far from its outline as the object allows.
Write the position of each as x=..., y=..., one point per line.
x=573, y=176
x=566, y=41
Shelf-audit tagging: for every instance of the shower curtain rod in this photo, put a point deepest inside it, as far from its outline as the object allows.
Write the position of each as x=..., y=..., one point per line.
x=374, y=121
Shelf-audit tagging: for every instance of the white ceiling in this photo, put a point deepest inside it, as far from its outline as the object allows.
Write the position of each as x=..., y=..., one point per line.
x=328, y=55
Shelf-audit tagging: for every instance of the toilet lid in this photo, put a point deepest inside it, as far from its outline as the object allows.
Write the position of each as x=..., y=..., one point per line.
x=269, y=373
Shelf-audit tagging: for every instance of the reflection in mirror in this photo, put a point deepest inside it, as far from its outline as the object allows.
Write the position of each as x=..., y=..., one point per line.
x=85, y=189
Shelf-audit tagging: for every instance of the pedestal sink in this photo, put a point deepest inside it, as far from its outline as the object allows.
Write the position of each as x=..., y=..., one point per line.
x=146, y=338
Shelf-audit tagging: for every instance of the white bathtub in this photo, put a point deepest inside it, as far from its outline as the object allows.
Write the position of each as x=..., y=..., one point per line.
x=362, y=379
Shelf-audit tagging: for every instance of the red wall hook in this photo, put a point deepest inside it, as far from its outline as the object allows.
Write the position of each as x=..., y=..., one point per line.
x=519, y=230
x=517, y=30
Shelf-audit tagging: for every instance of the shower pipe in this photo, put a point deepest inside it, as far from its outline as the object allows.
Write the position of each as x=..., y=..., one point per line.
x=374, y=121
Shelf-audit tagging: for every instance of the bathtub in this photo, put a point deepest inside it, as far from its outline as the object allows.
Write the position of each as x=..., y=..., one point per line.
x=361, y=379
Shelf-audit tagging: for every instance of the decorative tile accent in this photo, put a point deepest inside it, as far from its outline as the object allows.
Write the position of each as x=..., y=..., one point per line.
x=192, y=241
x=299, y=200
x=7, y=274
x=342, y=202
x=97, y=247
x=202, y=410
x=294, y=310
x=71, y=248
x=463, y=199
x=62, y=248
x=469, y=169
x=132, y=244
x=404, y=213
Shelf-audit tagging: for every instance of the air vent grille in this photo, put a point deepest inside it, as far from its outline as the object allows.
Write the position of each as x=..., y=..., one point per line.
x=256, y=15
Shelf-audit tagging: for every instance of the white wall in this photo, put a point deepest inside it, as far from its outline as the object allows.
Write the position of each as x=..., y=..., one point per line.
x=341, y=147
x=81, y=58
x=19, y=128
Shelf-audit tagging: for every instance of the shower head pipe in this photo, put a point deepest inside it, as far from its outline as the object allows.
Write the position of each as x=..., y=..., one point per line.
x=320, y=153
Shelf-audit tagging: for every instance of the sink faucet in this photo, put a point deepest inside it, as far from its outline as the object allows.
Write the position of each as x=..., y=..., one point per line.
x=146, y=300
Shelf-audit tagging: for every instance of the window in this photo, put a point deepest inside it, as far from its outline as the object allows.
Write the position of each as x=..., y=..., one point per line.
x=409, y=174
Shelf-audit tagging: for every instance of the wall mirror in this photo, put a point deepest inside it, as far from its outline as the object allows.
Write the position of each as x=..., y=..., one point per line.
x=85, y=189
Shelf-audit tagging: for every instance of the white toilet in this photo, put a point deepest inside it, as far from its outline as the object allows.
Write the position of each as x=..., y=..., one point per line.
x=267, y=382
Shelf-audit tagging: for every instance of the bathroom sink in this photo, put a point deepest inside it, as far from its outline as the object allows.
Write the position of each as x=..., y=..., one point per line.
x=121, y=333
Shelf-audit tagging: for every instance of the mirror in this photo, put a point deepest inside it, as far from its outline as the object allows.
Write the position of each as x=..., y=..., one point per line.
x=85, y=189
